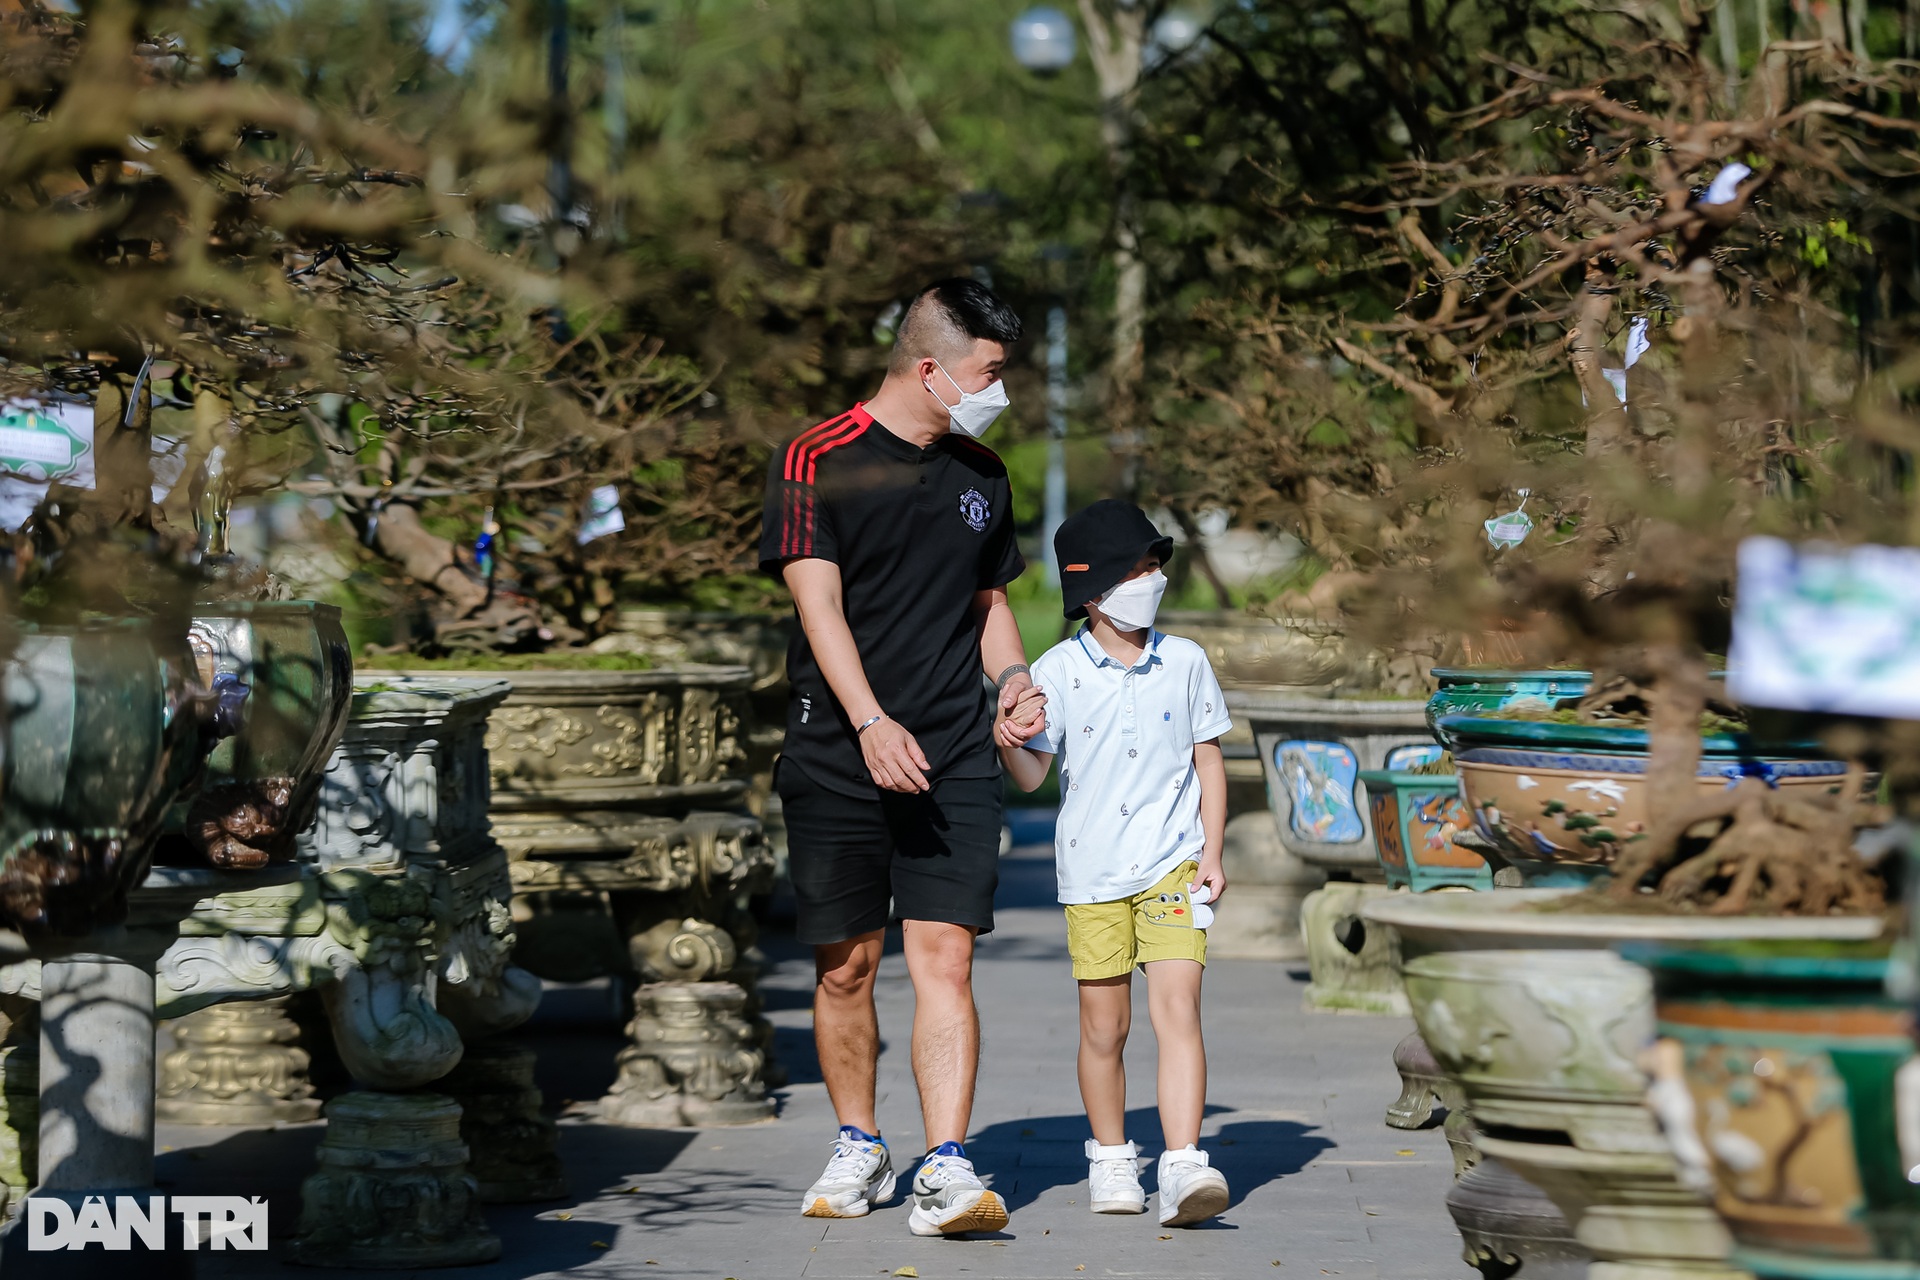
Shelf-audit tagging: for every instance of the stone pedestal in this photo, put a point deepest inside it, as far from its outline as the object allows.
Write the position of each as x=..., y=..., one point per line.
x=19, y=1099
x=393, y=1189
x=1509, y=1228
x=694, y=1060
x=1423, y=1086
x=1354, y=963
x=96, y=1074
x=236, y=1064
x=1260, y=919
x=512, y=1145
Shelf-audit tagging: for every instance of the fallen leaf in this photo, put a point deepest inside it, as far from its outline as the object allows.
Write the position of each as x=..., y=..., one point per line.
x=906, y=1271
x=1025, y=1133
x=1047, y=1232
x=564, y=1217
x=1166, y=1237
x=1403, y=1153
x=1227, y=1142
x=598, y=1244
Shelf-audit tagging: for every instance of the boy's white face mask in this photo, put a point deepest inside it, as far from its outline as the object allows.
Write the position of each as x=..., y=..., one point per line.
x=1131, y=606
x=976, y=410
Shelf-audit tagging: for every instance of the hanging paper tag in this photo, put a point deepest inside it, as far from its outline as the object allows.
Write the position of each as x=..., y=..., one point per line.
x=1510, y=530
x=1617, y=379
x=1725, y=187
x=603, y=515
x=1637, y=344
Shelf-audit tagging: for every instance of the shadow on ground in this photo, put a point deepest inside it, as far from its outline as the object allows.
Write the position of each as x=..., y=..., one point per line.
x=1050, y=1151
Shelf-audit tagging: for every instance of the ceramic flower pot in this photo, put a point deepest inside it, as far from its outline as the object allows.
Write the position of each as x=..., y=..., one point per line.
x=284, y=671
x=96, y=721
x=1415, y=817
x=1559, y=801
x=1523, y=1005
x=1473, y=690
x=1790, y=1056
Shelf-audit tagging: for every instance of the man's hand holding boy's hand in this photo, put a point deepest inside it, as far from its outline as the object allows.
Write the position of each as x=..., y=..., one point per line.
x=1023, y=714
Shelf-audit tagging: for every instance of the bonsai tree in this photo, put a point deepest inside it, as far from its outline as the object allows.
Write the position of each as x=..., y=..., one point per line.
x=1653, y=303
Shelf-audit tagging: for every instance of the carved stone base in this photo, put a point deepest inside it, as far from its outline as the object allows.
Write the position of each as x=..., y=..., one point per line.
x=512, y=1145
x=694, y=1060
x=236, y=1064
x=1354, y=963
x=1510, y=1228
x=393, y=1189
x=19, y=1100
x=1423, y=1086
x=244, y=824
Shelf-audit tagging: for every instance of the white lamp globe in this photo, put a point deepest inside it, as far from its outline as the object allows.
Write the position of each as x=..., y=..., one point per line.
x=1174, y=34
x=1043, y=40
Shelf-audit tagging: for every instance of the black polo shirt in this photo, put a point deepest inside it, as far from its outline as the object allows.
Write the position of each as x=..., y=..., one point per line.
x=916, y=533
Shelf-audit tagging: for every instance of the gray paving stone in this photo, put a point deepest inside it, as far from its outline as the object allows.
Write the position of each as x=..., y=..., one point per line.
x=1294, y=1120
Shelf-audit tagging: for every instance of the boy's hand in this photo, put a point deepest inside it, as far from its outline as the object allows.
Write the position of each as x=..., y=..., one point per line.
x=1212, y=875
x=1022, y=716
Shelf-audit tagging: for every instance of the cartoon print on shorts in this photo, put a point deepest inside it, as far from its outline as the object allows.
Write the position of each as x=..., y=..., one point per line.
x=1169, y=910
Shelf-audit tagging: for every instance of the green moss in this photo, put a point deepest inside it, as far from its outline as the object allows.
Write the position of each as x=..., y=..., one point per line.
x=486, y=661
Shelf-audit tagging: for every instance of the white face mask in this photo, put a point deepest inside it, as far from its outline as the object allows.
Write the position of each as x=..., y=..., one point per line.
x=1132, y=605
x=976, y=410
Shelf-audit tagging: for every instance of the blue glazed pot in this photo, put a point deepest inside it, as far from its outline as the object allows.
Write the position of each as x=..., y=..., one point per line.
x=1467, y=690
x=1559, y=802
x=1415, y=816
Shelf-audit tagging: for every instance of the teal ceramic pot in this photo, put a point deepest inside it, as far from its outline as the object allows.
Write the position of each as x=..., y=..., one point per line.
x=96, y=723
x=1415, y=817
x=1467, y=690
x=1790, y=1056
x=1559, y=802
x=283, y=672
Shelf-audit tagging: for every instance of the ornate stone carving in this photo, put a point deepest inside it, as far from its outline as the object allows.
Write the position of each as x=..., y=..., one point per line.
x=236, y=1063
x=245, y=823
x=531, y=731
x=393, y=1189
x=1423, y=1086
x=638, y=750
x=694, y=1059
x=1354, y=963
x=511, y=1144
x=19, y=1097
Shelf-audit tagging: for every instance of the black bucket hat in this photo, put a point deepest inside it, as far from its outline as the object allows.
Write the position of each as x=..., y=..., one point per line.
x=1098, y=546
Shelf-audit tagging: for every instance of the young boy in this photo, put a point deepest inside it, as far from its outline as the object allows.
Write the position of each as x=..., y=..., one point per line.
x=1135, y=717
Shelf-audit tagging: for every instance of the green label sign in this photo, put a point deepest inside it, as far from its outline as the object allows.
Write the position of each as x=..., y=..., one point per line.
x=45, y=441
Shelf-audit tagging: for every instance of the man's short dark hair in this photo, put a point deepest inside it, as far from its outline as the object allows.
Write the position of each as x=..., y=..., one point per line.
x=946, y=318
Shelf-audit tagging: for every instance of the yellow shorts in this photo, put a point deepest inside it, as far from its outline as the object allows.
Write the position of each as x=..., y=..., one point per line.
x=1107, y=939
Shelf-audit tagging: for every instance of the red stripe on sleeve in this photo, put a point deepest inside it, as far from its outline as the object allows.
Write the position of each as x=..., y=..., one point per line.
x=797, y=449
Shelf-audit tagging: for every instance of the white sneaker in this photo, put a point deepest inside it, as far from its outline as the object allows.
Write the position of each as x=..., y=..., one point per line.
x=858, y=1176
x=1190, y=1192
x=949, y=1198
x=1113, y=1178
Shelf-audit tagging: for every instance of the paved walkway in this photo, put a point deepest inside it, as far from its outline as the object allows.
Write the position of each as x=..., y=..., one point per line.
x=1321, y=1186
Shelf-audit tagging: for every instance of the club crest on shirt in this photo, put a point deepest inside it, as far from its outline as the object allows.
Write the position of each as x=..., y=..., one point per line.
x=974, y=510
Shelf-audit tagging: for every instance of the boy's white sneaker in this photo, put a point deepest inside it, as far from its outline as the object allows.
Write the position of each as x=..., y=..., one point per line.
x=1190, y=1191
x=858, y=1176
x=949, y=1199
x=1113, y=1178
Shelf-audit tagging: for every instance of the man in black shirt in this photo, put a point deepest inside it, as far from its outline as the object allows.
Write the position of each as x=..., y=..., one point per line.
x=893, y=527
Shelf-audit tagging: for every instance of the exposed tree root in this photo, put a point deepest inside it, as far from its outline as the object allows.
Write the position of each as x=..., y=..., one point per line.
x=1755, y=848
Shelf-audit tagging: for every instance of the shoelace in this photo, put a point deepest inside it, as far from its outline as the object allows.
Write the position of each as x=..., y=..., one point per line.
x=850, y=1159
x=937, y=1173
x=1114, y=1174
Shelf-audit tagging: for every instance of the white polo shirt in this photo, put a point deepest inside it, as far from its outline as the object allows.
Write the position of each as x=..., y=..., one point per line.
x=1129, y=794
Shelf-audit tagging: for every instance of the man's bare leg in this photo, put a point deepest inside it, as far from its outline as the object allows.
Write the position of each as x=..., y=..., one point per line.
x=946, y=1026
x=846, y=1030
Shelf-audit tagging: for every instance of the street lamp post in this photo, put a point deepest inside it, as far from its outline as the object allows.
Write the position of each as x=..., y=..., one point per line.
x=1043, y=42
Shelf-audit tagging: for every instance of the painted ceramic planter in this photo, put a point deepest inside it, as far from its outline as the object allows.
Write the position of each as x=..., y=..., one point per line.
x=1473, y=690
x=97, y=722
x=291, y=665
x=1790, y=1060
x=1559, y=802
x=1313, y=750
x=1522, y=1003
x=1415, y=817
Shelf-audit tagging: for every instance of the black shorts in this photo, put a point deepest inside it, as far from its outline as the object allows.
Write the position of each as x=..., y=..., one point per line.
x=934, y=856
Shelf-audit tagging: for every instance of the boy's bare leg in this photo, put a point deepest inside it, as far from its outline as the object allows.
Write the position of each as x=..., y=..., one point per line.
x=1173, y=1001
x=1106, y=1015
x=846, y=1030
x=946, y=1026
